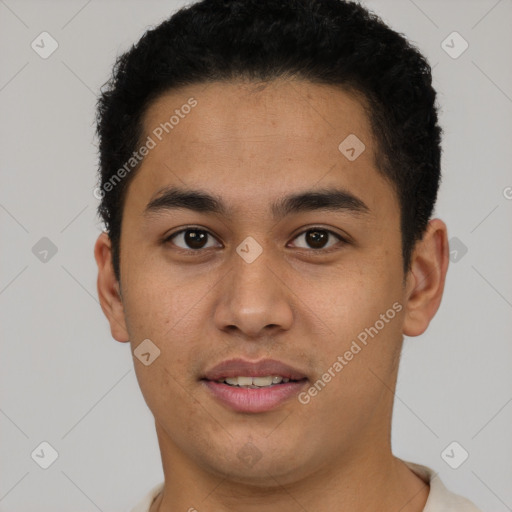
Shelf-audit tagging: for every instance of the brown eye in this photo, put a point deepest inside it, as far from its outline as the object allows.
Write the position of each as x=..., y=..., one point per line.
x=317, y=238
x=191, y=238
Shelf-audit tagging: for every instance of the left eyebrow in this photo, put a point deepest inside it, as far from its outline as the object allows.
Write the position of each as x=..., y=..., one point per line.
x=323, y=199
x=171, y=198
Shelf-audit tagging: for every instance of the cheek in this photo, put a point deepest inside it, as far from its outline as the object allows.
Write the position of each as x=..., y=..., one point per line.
x=164, y=312
x=358, y=317
x=158, y=296
x=356, y=357
x=160, y=310
x=349, y=301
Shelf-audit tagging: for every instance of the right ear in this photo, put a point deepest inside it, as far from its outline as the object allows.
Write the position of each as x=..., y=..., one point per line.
x=109, y=291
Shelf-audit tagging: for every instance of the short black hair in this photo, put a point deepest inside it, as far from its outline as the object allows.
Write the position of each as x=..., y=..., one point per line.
x=333, y=42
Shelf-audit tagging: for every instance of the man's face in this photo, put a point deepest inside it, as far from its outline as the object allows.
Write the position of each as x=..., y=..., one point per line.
x=303, y=301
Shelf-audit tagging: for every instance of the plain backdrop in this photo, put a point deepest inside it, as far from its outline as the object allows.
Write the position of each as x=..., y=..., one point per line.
x=66, y=382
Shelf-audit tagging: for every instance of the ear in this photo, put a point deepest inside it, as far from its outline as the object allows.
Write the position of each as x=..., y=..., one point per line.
x=426, y=278
x=109, y=291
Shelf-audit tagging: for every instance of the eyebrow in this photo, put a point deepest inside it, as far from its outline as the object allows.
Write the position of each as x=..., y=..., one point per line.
x=329, y=199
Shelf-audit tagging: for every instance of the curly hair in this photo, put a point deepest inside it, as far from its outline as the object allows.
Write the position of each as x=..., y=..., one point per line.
x=334, y=42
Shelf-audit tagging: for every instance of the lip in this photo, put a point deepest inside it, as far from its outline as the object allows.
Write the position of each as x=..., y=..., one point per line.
x=242, y=368
x=252, y=400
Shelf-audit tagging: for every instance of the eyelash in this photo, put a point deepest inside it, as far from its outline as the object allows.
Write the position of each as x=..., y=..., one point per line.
x=313, y=228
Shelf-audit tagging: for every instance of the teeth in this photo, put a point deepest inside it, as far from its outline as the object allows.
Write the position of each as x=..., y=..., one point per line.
x=263, y=381
x=254, y=382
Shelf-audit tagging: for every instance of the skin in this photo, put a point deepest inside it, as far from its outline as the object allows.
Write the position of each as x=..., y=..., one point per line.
x=251, y=144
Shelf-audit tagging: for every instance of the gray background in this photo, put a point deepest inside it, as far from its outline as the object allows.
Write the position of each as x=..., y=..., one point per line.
x=63, y=378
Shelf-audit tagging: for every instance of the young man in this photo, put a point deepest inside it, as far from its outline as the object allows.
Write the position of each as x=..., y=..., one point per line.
x=268, y=176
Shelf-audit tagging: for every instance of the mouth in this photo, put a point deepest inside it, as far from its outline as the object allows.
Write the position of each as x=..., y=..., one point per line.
x=253, y=387
x=255, y=382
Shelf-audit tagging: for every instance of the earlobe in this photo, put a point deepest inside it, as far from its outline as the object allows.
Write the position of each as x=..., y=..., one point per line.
x=426, y=278
x=109, y=292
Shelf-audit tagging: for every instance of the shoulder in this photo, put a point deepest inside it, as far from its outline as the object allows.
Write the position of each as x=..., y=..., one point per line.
x=440, y=499
x=145, y=504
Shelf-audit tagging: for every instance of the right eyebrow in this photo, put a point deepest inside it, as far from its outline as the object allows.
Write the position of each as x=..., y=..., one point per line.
x=172, y=198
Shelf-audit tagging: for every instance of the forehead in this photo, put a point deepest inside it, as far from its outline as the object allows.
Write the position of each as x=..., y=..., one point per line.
x=269, y=113
x=242, y=137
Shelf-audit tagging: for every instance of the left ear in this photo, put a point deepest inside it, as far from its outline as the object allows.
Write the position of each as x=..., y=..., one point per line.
x=426, y=278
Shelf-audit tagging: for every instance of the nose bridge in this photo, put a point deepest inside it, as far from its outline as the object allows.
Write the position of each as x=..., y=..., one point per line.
x=254, y=298
x=251, y=283
x=250, y=276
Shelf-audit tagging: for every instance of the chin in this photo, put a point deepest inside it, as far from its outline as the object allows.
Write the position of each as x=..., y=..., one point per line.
x=260, y=467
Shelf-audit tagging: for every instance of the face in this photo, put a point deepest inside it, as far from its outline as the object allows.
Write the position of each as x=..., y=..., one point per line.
x=315, y=282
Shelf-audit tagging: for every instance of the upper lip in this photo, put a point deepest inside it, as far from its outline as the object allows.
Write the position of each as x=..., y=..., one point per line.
x=243, y=368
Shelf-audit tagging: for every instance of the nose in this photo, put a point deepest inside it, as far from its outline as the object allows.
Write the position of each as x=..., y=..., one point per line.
x=255, y=299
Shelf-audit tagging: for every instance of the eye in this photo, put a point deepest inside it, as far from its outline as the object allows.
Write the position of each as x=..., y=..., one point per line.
x=191, y=238
x=195, y=239
x=317, y=238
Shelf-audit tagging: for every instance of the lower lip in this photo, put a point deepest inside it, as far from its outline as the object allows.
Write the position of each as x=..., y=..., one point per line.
x=254, y=400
